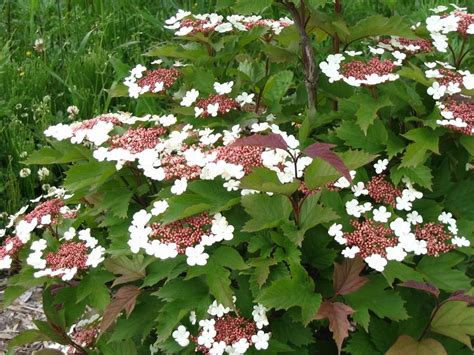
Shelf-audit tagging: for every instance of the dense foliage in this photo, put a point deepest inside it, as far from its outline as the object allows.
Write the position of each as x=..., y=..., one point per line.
x=300, y=184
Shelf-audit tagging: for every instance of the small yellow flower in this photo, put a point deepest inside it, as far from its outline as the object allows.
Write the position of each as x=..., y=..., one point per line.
x=28, y=53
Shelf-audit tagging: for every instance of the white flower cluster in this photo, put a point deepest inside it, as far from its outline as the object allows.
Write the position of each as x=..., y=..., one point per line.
x=208, y=332
x=94, y=258
x=186, y=23
x=439, y=26
x=140, y=232
x=331, y=67
x=396, y=218
x=437, y=90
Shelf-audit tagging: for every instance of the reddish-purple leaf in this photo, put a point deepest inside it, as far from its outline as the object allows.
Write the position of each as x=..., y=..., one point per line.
x=124, y=300
x=323, y=151
x=423, y=286
x=346, y=277
x=461, y=296
x=271, y=140
x=337, y=313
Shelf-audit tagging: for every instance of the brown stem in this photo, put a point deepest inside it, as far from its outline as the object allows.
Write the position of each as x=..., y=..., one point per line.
x=259, y=97
x=307, y=52
x=428, y=325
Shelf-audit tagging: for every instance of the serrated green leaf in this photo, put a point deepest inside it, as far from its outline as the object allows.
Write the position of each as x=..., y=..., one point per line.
x=229, y=257
x=368, y=108
x=266, y=211
x=277, y=85
x=397, y=270
x=425, y=140
x=420, y=175
x=247, y=7
x=455, y=320
x=263, y=179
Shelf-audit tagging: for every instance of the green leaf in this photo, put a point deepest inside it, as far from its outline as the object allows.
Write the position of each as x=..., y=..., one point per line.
x=266, y=211
x=420, y=175
x=455, y=320
x=229, y=257
x=319, y=172
x=263, y=179
x=27, y=337
x=88, y=176
x=62, y=152
x=407, y=345
x=374, y=296
x=378, y=25
x=200, y=196
x=368, y=108
x=190, y=52
x=277, y=85
x=425, y=140
x=129, y=269
x=161, y=269
x=397, y=270
x=468, y=143
x=360, y=344
x=117, y=90
x=247, y=7
x=440, y=272
x=414, y=72
x=374, y=142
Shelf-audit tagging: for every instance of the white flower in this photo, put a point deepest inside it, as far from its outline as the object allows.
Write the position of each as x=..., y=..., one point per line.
x=259, y=314
x=224, y=88
x=343, y=183
x=223, y=27
x=159, y=207
x=5, y=262
x=196, y=255
x=381, y=165
x=43, y=173
x=438, y=9
x=414, y=218
x=183, y=31
x=436, y=90
x=446, y=218
x=353, y=53
x=179, y=186
x=460, y=242
x=217, y=348
x=403, y=203
x=400, y=227
x=335, y=229
x=376, y=262
x=239, y=347
x=245, y=98
x=359, y=189
x=381, y=214
x=217, y=309
x=192, y=317
x=69, y=234
x=396, y=253
x=181, y=336
x=260, y=340
x=353, y=208
x=141, y=218
x=96, y=256
x=189, y=98
x=25, y=172
x=212, y=109
x=351, y=252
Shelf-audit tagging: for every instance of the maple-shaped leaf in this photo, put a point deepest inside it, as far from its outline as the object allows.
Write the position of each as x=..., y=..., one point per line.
x=271, y=140
x=128, y=269
x=124, y=300
x=323, y=151
x=407, y=345
x=423, y=286
x=461, y=296
x=346, y=278
x=337, y=314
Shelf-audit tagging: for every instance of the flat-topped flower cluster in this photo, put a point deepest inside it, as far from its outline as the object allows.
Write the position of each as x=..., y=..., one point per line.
x=226, y=331
x=385, y=226
x=187, y=24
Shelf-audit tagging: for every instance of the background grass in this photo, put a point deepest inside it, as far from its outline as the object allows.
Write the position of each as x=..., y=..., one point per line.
x=86, y=43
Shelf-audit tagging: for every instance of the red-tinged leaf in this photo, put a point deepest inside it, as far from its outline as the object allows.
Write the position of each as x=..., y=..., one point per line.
x=346, y=277
x=124, y=300
x=323, y=151
x=338, y=315
x=407, y=345
x=461, y=296
x=271, y=140
x=422, y=286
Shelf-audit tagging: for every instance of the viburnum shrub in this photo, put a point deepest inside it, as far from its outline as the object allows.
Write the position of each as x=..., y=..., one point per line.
x=295, y=185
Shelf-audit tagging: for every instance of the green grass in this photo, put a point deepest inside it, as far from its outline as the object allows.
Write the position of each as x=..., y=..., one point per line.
x=86, y=43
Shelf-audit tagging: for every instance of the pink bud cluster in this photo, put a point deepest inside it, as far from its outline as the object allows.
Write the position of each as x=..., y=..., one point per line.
x=184, y=233
x=383, y=191
x=226, y=331
x=248, y=157
x=465, y=21
x=438, y=239
x=85, y=337
x=387, y=228
x=161, y=77
x=458, y=115
x=136, y=140
x=406, y=45
x=69, y=255
x=91, y=123
x=50, y=208
x=176, y=167
x=361, y=71
x=224, y=103
x=11, y=246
